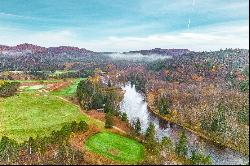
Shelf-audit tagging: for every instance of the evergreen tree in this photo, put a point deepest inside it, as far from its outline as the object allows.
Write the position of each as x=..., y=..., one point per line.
x=137, y=126
x=82, y=126
x=8, y=150
x=74, y=127
x=163, y=106
x=41, y=146
x=200, y=159
x=150, y=132
x=97, y=101
x=108, y=108
x=219, y=120
x=167, y=144
x=182, y=145
x=78, y=157
x=62, y=154
x=65, y=132
x=150, y=141
x=108, y=120
x=31, y=146
x=124, y=116
x=109, y=83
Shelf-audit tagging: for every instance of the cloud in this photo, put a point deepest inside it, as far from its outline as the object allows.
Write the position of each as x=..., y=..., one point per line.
x=213, y=37
x=44, y=38
x=210, y=38
x=15, y=16
x=159, y=7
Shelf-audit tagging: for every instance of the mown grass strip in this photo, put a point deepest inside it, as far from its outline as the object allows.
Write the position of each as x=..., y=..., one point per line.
x=116, y=147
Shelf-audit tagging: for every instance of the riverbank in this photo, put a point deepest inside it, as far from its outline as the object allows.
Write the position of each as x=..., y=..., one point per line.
x=214, y=139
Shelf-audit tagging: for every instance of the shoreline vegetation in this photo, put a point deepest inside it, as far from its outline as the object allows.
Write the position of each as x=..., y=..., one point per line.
x=198, y=133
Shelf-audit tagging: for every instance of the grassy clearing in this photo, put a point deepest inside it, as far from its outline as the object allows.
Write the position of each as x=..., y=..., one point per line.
x=41, y=81
x=32, y=88
x=68, y=91
x=116, y=147
x=58, y=72
x=27, y=115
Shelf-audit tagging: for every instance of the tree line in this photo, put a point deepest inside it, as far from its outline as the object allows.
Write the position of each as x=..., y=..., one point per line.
x=92, y=94
x=139, y=80
x=179, y=150
x=54, y=149
x=8, y=88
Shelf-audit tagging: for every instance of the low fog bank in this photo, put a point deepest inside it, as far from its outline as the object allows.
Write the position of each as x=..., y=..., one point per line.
x=137, y=57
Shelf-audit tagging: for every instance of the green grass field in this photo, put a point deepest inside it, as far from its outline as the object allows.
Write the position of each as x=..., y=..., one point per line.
x=58, y=72
x=68, y=91
x=30, y=114
x=116, y=147
x=32, y=88
x=41, y=81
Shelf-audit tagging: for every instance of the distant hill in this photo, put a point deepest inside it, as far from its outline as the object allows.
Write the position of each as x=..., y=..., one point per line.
x=30, y=48
x=27, y=57
x=32, y=57
x=170, y=52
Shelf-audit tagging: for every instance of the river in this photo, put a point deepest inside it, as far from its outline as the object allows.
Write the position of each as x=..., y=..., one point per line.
x=134, y=105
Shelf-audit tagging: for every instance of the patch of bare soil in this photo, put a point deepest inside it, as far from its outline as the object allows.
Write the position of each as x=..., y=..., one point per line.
x=58, y=85
x=114, y=152
x=31, y=83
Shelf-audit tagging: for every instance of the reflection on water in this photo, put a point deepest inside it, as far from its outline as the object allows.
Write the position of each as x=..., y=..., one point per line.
x=135, y=107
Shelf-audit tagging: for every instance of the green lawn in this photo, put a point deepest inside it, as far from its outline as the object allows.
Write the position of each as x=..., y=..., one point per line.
x=116, y=147
x=32, y=88
x=68, y=91
x=41, y=81
x=58, y=72
x=30, y=114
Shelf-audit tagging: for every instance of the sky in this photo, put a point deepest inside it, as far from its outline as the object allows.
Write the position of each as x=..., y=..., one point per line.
x=123, y=25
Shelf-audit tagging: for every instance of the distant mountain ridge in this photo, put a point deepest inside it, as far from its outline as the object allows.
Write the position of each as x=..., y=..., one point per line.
x=172, y=52
x=27, y=57
x=31, y=48
x=38, y=49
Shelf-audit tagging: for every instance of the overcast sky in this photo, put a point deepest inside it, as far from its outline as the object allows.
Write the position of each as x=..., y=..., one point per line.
x=122, y=25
